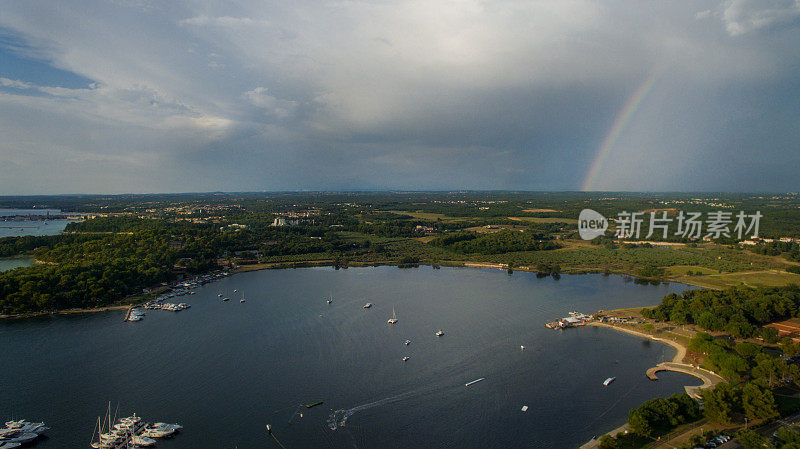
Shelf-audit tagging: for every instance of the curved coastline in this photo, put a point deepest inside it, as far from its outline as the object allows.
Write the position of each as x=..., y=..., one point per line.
x=709, y=378
x=681, y=350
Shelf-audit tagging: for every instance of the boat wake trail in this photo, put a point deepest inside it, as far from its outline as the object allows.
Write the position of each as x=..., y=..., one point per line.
x=339, y=417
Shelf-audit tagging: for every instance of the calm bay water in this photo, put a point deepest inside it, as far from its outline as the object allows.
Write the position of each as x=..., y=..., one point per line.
x=20, y=228
x=225, y=369
x=9, y=263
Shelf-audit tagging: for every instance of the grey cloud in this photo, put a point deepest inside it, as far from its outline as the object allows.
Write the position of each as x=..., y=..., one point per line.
x=194, y=95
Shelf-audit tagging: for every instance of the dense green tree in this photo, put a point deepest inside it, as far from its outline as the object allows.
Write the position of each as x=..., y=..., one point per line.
x=721, y=402
x=758, y=402
x=608, y=442
x=750, y=439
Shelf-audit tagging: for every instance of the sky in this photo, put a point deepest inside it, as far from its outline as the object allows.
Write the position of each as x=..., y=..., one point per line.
x=135, y=96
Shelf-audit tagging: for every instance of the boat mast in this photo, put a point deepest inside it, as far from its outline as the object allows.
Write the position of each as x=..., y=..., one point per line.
x=97, y=428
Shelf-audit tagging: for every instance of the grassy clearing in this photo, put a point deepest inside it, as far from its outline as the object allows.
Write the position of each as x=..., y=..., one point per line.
x=545, y=219
x=763, y=278
x=771, y=278
x=429, y=215
x=681, y=270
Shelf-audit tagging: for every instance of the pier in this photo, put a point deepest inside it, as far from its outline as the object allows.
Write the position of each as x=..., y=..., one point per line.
x=709, y=378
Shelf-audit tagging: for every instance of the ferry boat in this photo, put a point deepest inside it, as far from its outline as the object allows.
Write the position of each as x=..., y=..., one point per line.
x=608, y=381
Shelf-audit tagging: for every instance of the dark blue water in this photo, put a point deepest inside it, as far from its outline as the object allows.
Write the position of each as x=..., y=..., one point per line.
x=225, y=369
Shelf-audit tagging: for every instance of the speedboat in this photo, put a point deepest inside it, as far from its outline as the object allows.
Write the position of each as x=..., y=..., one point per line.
x=608, y=381
x=405, y=359
x=439, y=333
x=226, y=299
x=407, y=342
x=368, y=305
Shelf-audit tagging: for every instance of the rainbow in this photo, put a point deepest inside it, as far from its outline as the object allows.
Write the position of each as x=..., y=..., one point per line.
x=619, y=125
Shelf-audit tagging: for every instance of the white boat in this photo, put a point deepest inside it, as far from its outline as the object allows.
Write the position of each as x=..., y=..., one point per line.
x=16, y=436
x=161, y=425
x=226, y=299
x=158, y=432
x=405, y=359
x=608, y=381
x=235, y=291
x=393, y=319
x=474, y=381
x=26, y=426
x=368, y=305
x=142, y=441
x=439, y=333
x=407, y=342
x=242, y=300
x=524, y=408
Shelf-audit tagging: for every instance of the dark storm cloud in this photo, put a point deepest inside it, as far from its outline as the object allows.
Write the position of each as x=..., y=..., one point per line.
x=192, y=95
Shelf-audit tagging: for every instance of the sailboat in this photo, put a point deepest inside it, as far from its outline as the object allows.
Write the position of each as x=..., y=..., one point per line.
x=393, y=319
x=330, y=298
x=242, y=300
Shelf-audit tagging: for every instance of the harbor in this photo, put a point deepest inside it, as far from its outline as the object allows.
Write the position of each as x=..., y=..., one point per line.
x=575, y=319
x=127, y=432
x=578, y=319
x=174, y=290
